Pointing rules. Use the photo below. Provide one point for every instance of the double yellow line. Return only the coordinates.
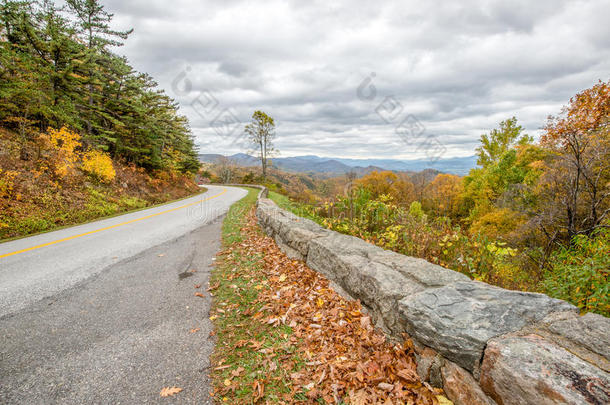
(110, 227)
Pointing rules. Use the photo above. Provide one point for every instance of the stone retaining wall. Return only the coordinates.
(482, 344)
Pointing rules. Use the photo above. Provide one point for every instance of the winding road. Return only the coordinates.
(105, 312)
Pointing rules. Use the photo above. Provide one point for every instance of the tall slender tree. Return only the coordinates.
(261, 132)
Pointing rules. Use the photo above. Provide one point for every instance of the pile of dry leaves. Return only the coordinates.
(346, 359)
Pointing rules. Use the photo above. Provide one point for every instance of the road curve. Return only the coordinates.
(102, 312)
(79, 252)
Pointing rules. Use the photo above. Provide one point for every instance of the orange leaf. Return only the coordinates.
(169, 391)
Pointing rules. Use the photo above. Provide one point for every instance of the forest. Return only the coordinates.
(532, 216)
(60, 69)
(82, 134)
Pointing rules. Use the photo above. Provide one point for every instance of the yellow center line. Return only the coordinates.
(109, 227)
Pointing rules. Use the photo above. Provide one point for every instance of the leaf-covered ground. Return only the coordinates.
(284, 336)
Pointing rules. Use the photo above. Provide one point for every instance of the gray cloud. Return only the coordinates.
(458, 67)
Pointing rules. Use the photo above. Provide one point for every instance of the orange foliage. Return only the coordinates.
(442, 194)
(388, 183)
(588, 111)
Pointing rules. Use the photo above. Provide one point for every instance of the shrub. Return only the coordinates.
(63, 145)
(580, 273)
(99, 165)
(7, 182)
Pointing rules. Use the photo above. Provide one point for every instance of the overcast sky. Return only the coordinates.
(455, 68)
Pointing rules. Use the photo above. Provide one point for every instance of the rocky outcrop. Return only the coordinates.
(482, 344)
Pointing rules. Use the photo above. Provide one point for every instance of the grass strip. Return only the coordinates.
(242, 371)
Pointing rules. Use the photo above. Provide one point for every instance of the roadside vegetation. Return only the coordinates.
(82, 134)
(62, 184)
(284, 336)
(532, 216)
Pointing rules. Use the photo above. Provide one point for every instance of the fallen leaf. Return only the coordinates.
(227, 382)
(198, 294)
(282, 278)
(385, 386)
(170, 391)
(259, 390)
(161, 254)
(237, 371)
(442, 400)
(408, 375)
(197, 285)
(194, 330)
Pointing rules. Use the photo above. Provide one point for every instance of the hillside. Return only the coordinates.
(82, 133)
(61, 186)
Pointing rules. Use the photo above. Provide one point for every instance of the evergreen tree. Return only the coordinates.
(57, 68)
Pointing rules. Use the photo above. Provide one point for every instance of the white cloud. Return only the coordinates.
(458, 67)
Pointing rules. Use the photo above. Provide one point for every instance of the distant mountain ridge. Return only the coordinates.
(337, 166)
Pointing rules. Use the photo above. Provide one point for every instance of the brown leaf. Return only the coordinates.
(170, 391)
(237, 371)
(258, 389)
(195, 330)
(198, 294)
(408, 375)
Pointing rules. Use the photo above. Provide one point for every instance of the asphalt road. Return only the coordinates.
(102, 313)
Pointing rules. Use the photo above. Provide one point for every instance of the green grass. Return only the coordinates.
(302, 210)
(240, 335)
(281, 200)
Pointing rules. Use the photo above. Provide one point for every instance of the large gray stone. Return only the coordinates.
(291, 232)
(426, 273)
(297, 232)
(381, 288)
(531, 370)
(590, 330)
(336, 255)
(457, 320)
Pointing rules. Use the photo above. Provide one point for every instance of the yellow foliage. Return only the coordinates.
(63, 144)
(502, 222)
(442, 194)
(99, 164)
(7, 184)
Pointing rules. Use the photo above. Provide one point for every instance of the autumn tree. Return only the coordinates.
(397, 186)
(442, 195)
(499, 141)
(261, 132)
(378, 183)
(575, 188)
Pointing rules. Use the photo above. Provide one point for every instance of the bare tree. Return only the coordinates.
(225, 169)
(576, 188)
(261, 132)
